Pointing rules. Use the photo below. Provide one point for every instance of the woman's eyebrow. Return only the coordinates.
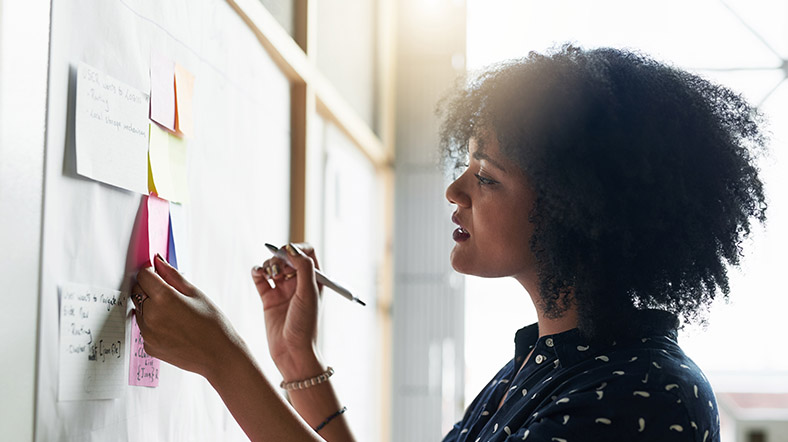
(480, 155)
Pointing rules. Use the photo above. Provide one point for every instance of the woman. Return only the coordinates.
(615, 189)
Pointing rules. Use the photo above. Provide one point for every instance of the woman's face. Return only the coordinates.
(493, 200)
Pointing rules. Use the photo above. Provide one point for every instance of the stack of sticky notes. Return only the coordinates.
(171, 92)
(137, 141)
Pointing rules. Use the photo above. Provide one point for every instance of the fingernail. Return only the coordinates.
(291, 249)
(257, 269)
(267, 271)
(274, 270)
(295, 251)
(161, 259)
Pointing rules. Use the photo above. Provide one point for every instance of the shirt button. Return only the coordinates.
(540, 359)
(549, 342)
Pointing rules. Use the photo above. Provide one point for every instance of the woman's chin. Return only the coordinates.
(456, 261)
(461, 264)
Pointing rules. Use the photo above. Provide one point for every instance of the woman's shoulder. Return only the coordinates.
(645, 383)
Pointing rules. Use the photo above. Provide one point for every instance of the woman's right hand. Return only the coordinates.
(291, 311)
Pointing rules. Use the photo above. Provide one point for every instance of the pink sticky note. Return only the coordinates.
(139, 255)
(158, 227)
(184, 89)
(143, 368)
(162, 90)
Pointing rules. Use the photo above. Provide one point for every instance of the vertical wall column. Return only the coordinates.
(302, 110)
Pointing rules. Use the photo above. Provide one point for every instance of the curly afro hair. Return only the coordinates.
(644, 175)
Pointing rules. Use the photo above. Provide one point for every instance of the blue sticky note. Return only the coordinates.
(171, 256)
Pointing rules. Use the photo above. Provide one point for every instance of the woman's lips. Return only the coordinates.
(460, 234)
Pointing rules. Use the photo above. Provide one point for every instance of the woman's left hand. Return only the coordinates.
(179, 324)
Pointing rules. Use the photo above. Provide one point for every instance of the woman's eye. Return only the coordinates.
(483, 180)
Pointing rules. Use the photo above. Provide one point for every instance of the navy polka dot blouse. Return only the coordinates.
(639, 389)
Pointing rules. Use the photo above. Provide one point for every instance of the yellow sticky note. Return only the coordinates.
(167, 156)
(151, 184)
(184, 89)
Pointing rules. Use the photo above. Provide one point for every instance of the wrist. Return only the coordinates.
(234, 354)
(300, 366)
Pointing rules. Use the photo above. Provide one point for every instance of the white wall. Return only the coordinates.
(24, 43)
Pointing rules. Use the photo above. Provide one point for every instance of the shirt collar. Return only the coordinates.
(570, 346)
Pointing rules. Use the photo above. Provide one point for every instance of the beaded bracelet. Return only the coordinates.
(306, 383)
(330, 418)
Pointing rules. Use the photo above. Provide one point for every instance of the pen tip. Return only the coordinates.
(359, 301)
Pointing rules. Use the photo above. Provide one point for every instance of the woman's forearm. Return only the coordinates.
(254, 403)
(317, 403)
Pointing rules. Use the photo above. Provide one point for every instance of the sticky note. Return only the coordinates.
(179, 237)
(172, 255)
(167, 156)
(158, 226)
(143, 368)
(139, 250)
(154, 221)
(184, 89)
(92, 340)
(151, 231)
(111, 130)
(162, 90)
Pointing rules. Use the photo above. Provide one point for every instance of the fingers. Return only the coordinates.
(151, 283)
(303, 264)
(308, 250)
(260, 279)
(275, 268)
(172, 276)
(138, 297)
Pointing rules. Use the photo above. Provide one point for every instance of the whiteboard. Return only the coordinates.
(238, 180)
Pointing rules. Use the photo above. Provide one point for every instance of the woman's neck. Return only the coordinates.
(551, 326)
(548, 325)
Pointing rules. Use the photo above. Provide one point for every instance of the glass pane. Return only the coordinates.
(346, 51)
(282, 10)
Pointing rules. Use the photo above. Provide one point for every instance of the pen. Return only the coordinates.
(321, 278)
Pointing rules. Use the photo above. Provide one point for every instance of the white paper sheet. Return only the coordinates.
(92, 343)
(111, 130)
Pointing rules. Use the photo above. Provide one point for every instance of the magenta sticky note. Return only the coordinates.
(143, 368)
(138, 253)
(162, 90)
(158, 226)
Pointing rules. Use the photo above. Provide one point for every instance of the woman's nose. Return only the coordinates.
(456, 195)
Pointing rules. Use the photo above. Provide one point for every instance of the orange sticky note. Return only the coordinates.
(184, 90)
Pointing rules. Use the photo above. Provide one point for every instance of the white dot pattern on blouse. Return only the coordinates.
(636, 388)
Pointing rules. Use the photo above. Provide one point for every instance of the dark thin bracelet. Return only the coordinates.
(330, 418)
